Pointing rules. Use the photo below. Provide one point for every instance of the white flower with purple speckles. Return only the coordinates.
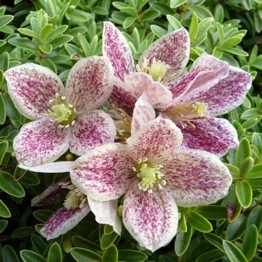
(64, 118)
(155, 175)
(211, 88)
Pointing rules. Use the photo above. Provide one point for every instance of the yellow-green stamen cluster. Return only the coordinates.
(75, 198)
(149, 175)
(184, 113)
(157, 69)
(62, 112)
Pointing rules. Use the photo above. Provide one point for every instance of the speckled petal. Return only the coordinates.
(92, 129)
(50, 196)
(89, 83)
(229, 93)
(55, 167)
(172, 48)
(106, 213)
(40, 142)
(151, 219)
(196, 178)
(31, 87)
(142, 114)
(116, 48)
(155, 140)
(206, 72)
(62, 221)
(215, 135)
(103, 173)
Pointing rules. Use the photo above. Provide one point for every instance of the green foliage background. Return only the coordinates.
(56, 33)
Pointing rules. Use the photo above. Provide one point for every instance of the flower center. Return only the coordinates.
(156, 70)
(62, 112)
(184, 113)
(149, 175)
(122, 122)
(75, 198)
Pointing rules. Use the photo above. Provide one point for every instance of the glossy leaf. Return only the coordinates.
(250, 241)
(233, 252)
(3, 149)
(211, 255)
(255, 172)
(244, 193)
(31, 256)
(2, 110)
(243, 151)
(10, 185)
(245, 166)
(199, 222)
(108, 240)
(82, 254)
(110, 254)
(237, 228)
(3, 225)
(255, 217)
(4, 211)
(213, 212)
(9, 254)
(215, 240)
(131, 255)
(182, 241)
(55, 253)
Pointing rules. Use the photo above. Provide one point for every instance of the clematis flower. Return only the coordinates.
(76, 204)
(211, 88)
(64, 118)
(155, 176)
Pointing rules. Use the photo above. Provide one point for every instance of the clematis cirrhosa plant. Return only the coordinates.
(64, 118)
(211, 88)
(155, 176)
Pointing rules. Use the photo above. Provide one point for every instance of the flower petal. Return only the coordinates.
(62, 221)
(116, 48)
(50, 196)
(155, 140)
(142, 114)
(89, 83)
(196, 178)
(151, 218)
(106, 213)
(215, 135)
(172, 48)
(92, 129)
(103, 173)
(55, 167)
(40, 142)
(229, 93)
(31, 86)
(206, 72)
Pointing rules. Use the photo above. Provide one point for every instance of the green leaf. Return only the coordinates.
(202, 12)
(31, 256)
(182, 241)
(46, 48)
(3, 149)
(4, 211)
(234, 51)
(246, 165)
(85, 243)
(22, 232)
(108, 240)
(28, 32)
(244, 193)
(45, 31)
(177, 3)
(233, 252)
(219, 13)
(213, 212)
(255, 217)
(81, 254)
(60, 40)
(199, 222)
(130, 255)
(149, 14)
(3, 225)
(162, 7)
(6, 19)
(10, 185)
(128, 22)
(110, 254)
(250, 123)
(173, 22)
(255, 172)
(38, 244)
(243, 151)
(193, 28)
(215, 240)
(23, 43)
(157, 30)
(182, 224)
(250, 241)
(237, 228)
(211, 255)
(233, 170)
(9, 254)
(249, 113)
(55, 253)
